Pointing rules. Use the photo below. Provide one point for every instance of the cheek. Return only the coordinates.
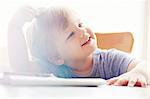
(66, 49)
(72, 48)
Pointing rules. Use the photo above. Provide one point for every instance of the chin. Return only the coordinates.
(90, 50)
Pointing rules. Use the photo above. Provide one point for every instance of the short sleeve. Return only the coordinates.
(116, 62)
(110, 63)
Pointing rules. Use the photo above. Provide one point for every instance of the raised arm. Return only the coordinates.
(17, 48)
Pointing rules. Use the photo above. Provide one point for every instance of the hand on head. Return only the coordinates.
(23, 15)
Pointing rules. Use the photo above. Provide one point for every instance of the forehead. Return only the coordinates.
(61, 17)
(69, 15)
(64, 18)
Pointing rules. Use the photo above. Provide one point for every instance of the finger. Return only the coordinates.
(121, 82)
(141, 82)
(28, 10)
(112, 80)
(32, 11)
(132, 81)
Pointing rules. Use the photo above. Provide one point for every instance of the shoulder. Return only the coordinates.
(98, 52)
(109, 51)
(111, 54)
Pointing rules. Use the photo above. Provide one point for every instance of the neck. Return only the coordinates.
(83, 67)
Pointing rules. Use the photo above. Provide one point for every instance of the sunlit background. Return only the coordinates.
(100, 15)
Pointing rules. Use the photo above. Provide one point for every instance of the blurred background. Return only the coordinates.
(101, 15)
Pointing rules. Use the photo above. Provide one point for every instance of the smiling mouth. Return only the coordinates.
(86, 41)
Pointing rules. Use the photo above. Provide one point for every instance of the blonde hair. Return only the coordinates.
(42, 31)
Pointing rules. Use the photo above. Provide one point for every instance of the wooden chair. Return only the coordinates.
(121, 40)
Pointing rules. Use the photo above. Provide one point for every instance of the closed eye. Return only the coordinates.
(70, 35)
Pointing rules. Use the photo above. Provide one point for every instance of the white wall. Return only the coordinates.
(101, 15)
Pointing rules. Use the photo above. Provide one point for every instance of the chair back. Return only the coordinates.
(121, 40)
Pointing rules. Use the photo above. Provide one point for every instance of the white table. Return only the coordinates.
(62, 92)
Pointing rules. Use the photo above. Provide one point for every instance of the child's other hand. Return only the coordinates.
(23, 15)
(131, 79)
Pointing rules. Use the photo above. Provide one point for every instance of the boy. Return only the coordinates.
(62, 45)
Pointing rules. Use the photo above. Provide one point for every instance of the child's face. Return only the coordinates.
(76, 43)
